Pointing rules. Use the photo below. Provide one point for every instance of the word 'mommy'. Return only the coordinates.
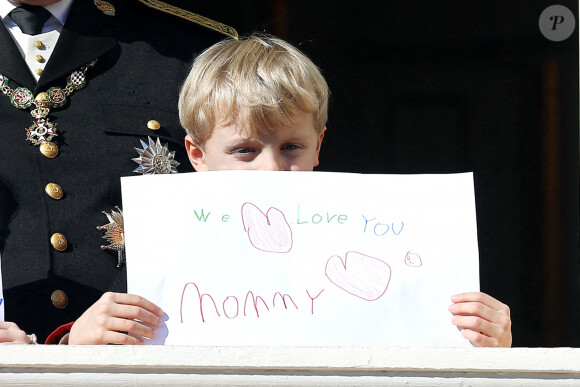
(231, 305)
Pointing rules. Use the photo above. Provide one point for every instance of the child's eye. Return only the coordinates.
(245, 154)
(290, 147)
(243, 150)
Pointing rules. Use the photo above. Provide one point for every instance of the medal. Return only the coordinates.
(115, 234)
(21, 97)
(155, 158)
(42, 131)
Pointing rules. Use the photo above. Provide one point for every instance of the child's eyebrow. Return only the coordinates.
(240, 141)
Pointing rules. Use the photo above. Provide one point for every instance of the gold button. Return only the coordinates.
(38, 44)
(39, 71)
(58, 241)
(53, 190)
(59, 299)
(153, 125)
(49, 149)
(39, 58)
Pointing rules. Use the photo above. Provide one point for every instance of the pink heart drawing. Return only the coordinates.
(360, 275)
(267, 232)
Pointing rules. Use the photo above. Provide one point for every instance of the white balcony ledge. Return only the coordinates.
(251, 366)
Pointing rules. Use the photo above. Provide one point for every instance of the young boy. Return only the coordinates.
(259, 103)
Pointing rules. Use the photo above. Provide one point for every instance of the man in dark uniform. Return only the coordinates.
(110, 78)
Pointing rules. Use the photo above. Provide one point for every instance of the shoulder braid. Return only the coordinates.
(193, 17)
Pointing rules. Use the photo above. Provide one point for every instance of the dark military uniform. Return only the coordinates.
(143, 56)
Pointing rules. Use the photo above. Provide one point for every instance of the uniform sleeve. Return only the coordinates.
(58, 333)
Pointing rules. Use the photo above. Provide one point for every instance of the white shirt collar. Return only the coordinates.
(59, 9)
(5, 8)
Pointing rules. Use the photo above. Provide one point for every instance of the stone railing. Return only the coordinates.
(250, 366)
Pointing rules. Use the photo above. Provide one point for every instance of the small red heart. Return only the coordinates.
(360, 275)
(267, 232)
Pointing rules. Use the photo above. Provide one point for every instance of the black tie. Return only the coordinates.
(30, 18)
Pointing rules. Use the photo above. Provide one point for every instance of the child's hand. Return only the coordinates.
(11, 334)
(483, 320)
(111, 319)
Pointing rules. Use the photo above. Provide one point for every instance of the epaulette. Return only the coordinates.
(193, 17)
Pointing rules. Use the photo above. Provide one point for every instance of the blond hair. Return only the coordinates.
(260, 79)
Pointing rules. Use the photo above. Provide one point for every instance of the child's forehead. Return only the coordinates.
(233, 133)
(246, 123)
(243, 126)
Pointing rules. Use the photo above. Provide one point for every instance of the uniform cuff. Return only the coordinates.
(58, 334)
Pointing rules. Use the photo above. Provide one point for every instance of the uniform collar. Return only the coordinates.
(59, 10)
(82, 39)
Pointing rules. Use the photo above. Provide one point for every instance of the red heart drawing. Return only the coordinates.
(360, 275)
(267, 232)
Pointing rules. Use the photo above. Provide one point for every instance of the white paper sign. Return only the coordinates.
(302, 258)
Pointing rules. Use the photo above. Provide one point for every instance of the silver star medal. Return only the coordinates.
(155, 158)
(115, 234)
